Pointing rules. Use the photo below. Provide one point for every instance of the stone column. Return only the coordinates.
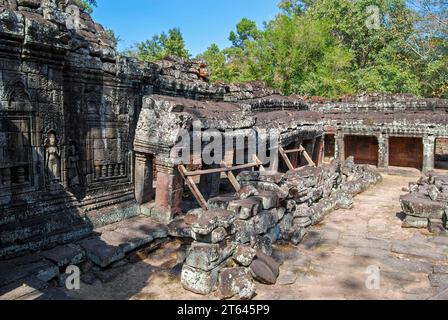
(428, 153)
(144, 191)
(383, 151)
(169, 191)
(339, 147)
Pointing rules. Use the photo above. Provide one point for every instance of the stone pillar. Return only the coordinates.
(339, 148)
(383, 151)
(169, 191)
(144, 191)
(428, 153)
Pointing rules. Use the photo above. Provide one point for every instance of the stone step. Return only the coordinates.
(111, 244)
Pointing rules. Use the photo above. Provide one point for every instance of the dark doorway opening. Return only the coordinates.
(406, 152)
(330, 147)
(363, 148)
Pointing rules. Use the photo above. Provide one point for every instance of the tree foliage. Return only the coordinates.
(331, 48)
(162, 45)
(87, 5)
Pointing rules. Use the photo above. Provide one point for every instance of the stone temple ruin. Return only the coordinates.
(88, 140)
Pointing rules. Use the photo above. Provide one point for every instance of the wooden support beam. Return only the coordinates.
(193, 188)
(284, 153)
(308, 158)
(285, 158)
(188, 177)
(231, 177)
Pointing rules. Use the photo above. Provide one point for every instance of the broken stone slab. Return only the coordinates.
(287, 278)
(212, 219)
(236, 282)
(199, 281)
(302, 222)
(100, 252)
(69, 254)
(269, 261)
(433, 192)
(247, 192)
(263, 176)
(420, 206)
(269, 199)
(274, 234)
(278, 213)
(261, 243)
(244, 255)
(243, 231)
(206, 256)
(415, 222)
(221, 202)
(436, 226)
(246, 208)
(263, 222)
(216, 236)
(179, 229)
(262, 273)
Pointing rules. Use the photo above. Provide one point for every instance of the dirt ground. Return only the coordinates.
(335, 261)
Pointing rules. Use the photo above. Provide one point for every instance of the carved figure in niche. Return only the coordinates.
(52, 158)
(74, 174)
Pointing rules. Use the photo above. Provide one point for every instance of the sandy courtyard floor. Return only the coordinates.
(335, 261)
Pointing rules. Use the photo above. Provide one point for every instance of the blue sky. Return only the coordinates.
(202, 22)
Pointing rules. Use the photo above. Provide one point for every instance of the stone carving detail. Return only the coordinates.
(52, 159)
(74, 172)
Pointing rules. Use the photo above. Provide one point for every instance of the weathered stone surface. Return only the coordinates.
(243, 231)
(262, 243)
(236, 282)
(70, 254)
(262, 272)
(244, 255)
(179, 229)
(247, 192)
(415, 222)
(199, 281)
(269, 199)
(422, 207)
(263, 222)
(206, 256)
(246, 208)
(101, 253)
(212, 219)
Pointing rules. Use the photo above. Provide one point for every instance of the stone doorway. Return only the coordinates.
(363, 148)
(406, 152)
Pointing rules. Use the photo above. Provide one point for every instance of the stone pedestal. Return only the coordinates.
(169, 191)
(428, 153)
(144, 191)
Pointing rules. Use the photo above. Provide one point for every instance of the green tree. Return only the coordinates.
(162, 45)
(87, 5)
(246, 30)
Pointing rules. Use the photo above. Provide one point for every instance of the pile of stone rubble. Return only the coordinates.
(426, 205)
(233, 239)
